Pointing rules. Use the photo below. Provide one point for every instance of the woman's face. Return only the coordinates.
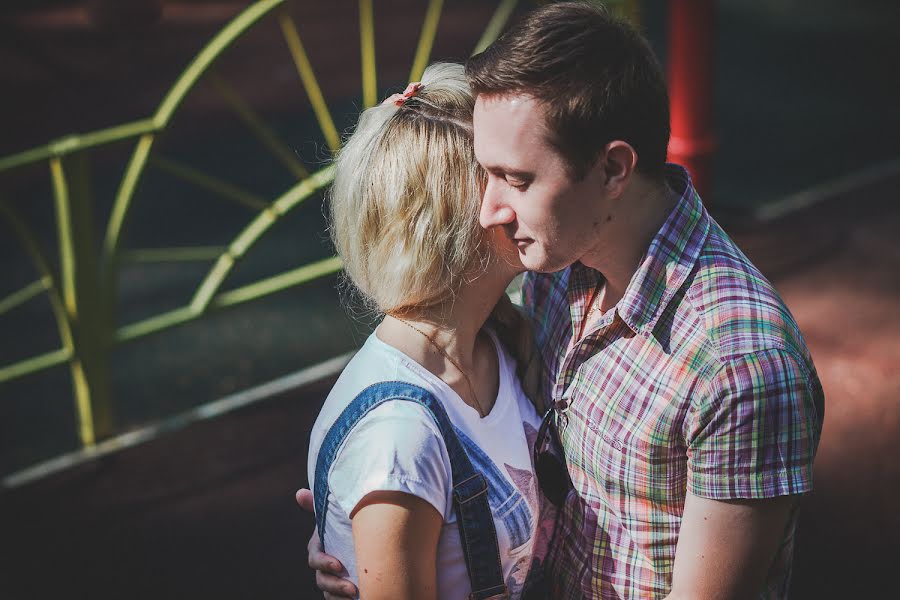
(507, 260)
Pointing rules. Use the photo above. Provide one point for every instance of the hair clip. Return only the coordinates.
(409, 92)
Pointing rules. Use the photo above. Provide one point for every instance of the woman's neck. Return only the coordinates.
(455, 325)
(445, 339)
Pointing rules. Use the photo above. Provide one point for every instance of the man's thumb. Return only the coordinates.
(305, 499)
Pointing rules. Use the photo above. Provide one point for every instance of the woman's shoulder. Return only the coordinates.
(391, 423)
(375, 362)
(395, 446)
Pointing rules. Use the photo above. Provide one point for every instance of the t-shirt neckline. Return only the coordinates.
(503, 388)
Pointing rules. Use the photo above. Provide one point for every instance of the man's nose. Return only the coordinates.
(494, 209)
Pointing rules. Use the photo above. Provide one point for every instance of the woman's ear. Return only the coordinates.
(618, 162)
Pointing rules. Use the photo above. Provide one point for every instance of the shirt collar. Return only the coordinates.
(669, 259)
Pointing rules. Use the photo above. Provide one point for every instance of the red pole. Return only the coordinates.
(692, 143)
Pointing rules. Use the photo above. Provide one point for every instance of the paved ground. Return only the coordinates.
(208, 511)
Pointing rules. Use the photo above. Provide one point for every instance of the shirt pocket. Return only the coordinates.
(632, 445)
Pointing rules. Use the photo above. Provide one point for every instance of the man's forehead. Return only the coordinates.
(513, 121)
(509, 105)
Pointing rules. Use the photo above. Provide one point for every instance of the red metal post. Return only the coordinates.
(691, 28)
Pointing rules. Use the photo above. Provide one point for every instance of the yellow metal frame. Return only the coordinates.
(82, 295)
(426, 39)
(367, 52)
(308, 77)
(258, 128)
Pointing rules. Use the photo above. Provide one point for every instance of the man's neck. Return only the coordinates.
(621, 246)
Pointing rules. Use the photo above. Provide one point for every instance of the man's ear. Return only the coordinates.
(618, 161)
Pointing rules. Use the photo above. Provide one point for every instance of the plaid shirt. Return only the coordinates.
(698, 380)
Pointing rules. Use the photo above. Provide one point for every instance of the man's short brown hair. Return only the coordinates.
(597, 77)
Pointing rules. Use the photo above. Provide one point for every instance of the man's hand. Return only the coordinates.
(328, 569)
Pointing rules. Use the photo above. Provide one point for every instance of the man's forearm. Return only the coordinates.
(725, 548)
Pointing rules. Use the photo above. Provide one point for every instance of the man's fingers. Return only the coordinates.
(335, 587)
(318, 560)
(328, 569)
(305, 499)
(324, 563)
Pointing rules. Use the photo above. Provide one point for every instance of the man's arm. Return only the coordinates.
(726, 547)
(752, 436)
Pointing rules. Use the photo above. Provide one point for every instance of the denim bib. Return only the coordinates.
(470, 500)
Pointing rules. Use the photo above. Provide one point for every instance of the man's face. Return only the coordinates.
(552, 220)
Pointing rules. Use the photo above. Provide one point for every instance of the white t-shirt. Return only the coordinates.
(397, 447)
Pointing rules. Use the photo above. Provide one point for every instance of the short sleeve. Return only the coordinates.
(753, 431)
(396, 447)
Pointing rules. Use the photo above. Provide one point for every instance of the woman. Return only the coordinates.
(404, 208)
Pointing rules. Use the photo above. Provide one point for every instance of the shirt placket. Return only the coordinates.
(579, 295)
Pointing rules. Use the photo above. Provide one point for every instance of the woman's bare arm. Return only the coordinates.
(396, 537)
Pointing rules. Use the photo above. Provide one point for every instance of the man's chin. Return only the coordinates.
(542, 263)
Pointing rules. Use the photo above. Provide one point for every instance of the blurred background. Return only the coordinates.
(170, 317)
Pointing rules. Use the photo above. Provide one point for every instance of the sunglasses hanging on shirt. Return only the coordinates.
(549, 459)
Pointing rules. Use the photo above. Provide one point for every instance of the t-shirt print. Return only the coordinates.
(527, 484)
(514, 502)
(507, 504)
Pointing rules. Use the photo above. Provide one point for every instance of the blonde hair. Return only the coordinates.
(405, 199)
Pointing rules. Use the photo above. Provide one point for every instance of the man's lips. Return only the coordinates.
(522, 242)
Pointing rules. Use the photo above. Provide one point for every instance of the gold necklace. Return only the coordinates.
(477, 407)
(596, 301)
(593, 306)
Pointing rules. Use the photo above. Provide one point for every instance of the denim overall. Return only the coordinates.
(470, 499)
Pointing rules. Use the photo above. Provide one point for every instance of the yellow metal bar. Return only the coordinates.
(77, 142)
(231, 298)
(38, 258)
(124, 197)
(367, 50)
(68, 274)
(64, 235)
(86, 430)
(426, 39)
(259, 128)
(209, 54)
(34, 364)
(303, 190)
(209, 182)
(164, 113)
(155, 324)
(22, 296)
(495, 25)
(198, 253)
(246, 238)
(253, 232)
(277, 283)
(308, 77)
(86, 305)
(213, 280)
(235, 251)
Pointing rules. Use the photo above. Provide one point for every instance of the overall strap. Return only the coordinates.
(470, 498)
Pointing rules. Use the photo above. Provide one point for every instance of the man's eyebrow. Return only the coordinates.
(506, 170)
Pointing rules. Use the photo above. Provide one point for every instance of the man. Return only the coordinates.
(689, 407)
